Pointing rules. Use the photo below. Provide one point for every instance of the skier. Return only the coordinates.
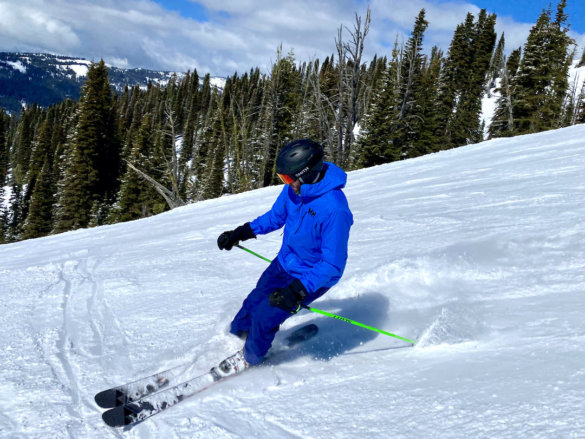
(316, 219)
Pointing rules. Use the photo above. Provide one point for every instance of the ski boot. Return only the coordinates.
(230, 366)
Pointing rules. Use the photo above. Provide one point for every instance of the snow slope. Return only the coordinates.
(476, 252)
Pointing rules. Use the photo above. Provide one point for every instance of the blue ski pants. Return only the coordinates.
(261, 320)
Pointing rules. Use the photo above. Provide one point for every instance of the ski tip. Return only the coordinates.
(115, 417)
(109, 398)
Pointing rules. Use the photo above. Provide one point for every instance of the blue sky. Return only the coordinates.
(225, 36)
(188, 9)
(528, 10)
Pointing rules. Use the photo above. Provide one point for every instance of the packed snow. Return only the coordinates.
(477, 253)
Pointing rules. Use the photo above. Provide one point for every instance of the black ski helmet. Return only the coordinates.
(301, 159)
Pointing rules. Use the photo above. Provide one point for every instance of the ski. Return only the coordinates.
(132, 403)
(137, 411)
(126, 393)
(130, 392)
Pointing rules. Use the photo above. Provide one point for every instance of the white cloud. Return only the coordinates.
(515, 33)
(26, 25)
(240, 34)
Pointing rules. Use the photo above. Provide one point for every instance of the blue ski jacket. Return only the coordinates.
(316, 229)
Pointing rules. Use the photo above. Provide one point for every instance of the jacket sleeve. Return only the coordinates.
(274, 219)
(335, 236)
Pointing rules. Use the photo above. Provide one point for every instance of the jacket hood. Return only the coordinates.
(335, 178)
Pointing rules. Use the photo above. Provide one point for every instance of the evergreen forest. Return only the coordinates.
(110, 157)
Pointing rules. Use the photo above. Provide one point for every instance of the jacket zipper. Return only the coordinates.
(302, 219)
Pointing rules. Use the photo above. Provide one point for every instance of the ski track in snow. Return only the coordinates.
(476, 252)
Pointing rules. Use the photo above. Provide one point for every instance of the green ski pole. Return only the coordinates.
(252, 253)
(353, 322)
(335, 316)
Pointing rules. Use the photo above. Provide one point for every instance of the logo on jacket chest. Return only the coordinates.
(311, 212)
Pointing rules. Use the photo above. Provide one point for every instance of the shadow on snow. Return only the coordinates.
(336, 337)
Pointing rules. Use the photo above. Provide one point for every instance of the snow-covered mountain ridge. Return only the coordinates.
(46, 79)
(476, 252)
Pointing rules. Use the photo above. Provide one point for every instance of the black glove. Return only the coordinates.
(289, 297)
(228, 239)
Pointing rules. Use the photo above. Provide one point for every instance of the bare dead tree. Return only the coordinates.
(574, 101)
(172, 199)
(242, 113)
(171, 165)
(323, 108)
(346, 109)
(508, 96)
(354, 50)
(276, 106)
(340, 114)
(173, 169)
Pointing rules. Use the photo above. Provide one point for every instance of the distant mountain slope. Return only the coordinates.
(28, 78)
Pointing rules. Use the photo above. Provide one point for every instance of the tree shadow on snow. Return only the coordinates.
(336, 337)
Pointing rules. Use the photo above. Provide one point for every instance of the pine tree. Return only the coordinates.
(463, 81)
(540, 84)
(4, 150)
(426, 142)
(374, 78)
(204, 146)
(191, 123)
(469, 62)
(24, 144)
(375, 142)
(513, 62)
(471, 101)
(409, 118)
(392, 126)
(215, 176)
(92, 175)
(42, 150)
(561, 59)
(502, 124)
(15, 216)
(497, 63)
(503, 119)
(212, 172)
(532, 78)
(580, 110)
(242, 115)
(4, 164)
(138, 199)
(281, 104)
(570, 113)
(453, 76)
(39, 221)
